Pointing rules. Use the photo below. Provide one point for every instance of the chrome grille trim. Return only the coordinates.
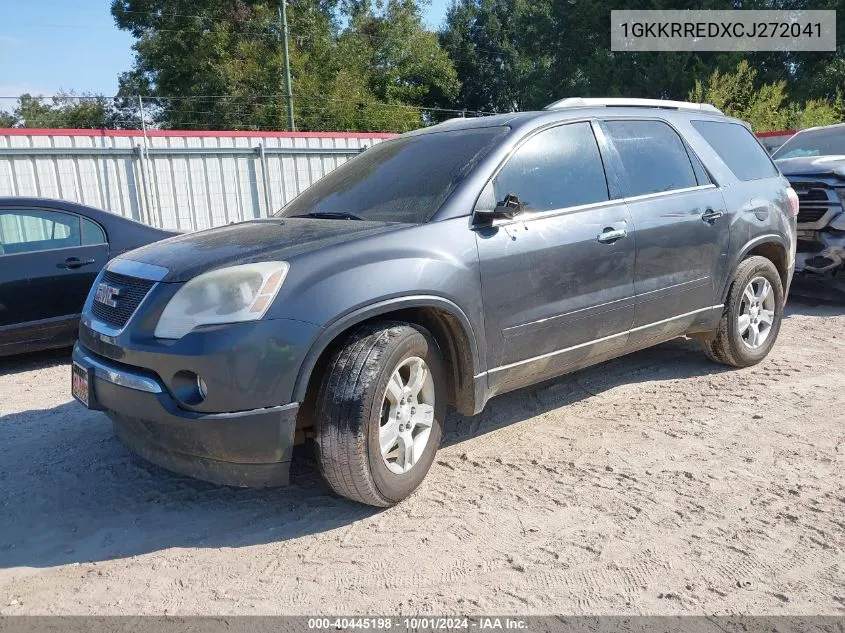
(133, 290)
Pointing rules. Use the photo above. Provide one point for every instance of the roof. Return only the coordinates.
(540, 117)
(822, 127)
(94, 213)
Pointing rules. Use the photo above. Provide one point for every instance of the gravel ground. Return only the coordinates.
(658, 483)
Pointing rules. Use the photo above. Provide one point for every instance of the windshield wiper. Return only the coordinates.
(329, 216)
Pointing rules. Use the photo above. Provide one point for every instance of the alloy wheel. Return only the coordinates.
(756, 312)
(407, 415)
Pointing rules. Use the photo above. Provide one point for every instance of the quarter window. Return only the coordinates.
(738, 148)
(555, 169)
(28, 231)
(91, 233)
(653, 156)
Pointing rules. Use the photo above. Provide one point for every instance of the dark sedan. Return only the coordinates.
(50, 253)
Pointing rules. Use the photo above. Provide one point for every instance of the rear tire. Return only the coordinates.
(380, 412)
(752, 316)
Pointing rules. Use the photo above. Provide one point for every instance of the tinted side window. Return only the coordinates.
(554, 169)
(653, 156)
(28, 231)
(91, 233)
(738, 148)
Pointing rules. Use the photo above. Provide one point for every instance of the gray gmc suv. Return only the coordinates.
(438, 268)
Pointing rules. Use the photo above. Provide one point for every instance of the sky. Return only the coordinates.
(52, 45)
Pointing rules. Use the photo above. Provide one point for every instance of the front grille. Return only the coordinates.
(811, 195)
(132, 291)
(810, 214)
(814, 201)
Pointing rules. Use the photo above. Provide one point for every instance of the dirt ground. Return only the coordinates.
(658, 483)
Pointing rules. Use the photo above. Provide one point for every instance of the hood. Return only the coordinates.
(128, 241)
(812, 166)
(189, 255)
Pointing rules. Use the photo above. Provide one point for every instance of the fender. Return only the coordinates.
(743, 253)
(330, 332)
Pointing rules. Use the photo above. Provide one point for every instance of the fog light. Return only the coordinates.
(188, 387)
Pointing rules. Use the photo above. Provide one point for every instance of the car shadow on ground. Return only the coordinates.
(808, 306)
(73, 493)
(34, 360)
(818, 290)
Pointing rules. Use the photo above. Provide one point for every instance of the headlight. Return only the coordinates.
(227, 295)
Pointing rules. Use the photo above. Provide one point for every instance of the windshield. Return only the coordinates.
(405, 179)
(825, 142)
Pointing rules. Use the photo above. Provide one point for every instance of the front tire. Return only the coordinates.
(380, 412)
(752, 315)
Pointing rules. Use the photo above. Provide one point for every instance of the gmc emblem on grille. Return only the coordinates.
(107, 295)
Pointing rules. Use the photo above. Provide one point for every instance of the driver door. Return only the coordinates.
(558, 278)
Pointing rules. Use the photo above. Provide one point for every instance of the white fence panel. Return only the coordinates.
(172, 179)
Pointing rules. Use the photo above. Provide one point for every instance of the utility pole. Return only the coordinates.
(283, 19)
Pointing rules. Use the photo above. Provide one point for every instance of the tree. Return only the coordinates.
(816, 112)
(496, 46)
(65, 110)
(521, 54)
(763, 105)
(218, 64)
(400, 61)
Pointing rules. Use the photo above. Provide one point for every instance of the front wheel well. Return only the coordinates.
(446, 329)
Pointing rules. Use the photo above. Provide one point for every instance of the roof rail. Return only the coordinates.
(581, 102)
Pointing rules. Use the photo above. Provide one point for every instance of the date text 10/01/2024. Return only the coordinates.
(418, 623)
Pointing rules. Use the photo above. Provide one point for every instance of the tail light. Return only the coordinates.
(793, 199)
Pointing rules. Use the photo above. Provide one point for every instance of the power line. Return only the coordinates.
(183, 15)
(258, 35)
(254, 99)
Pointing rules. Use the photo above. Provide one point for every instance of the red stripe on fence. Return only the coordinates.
(777, 133)
(23, 131)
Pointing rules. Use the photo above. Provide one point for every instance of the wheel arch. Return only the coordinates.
(446, 322)
(772, 247)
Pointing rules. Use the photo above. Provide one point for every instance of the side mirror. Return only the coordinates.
(507, 209)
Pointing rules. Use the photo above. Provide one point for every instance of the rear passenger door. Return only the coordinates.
(48, 261)
(557, 280)
(681, 223)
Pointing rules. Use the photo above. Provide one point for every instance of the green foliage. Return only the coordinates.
(222, 60)
(523, 54)
(492, 44)
(741, 95)
(371, 65)
(65, 110)
(817, 112)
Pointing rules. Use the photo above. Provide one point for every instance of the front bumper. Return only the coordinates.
(245, 448)
(821, 252)
(820, 224)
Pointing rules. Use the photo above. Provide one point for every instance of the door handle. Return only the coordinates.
(74, 262)
(710, 216)
(608, 236)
